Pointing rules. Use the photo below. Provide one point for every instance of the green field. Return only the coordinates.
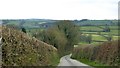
(98, 34)
(90, 28)
(98, 38)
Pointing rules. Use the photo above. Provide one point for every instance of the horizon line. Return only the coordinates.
(51, 19)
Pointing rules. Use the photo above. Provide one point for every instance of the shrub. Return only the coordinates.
(106, 53)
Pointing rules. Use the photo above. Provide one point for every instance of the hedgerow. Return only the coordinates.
(106, 53)
(18, 49)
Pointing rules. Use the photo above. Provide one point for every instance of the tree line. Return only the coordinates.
(64, 35)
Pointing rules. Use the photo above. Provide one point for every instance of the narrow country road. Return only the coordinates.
(67, 62)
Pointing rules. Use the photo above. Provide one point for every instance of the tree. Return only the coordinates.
(106, 29)
(63, 36)
(56, 38)
(24, 30)
(89, 39)
(71, 33)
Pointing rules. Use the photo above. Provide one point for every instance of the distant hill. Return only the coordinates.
(95, 22)
(28, 23)
(21, 50)
(46, 23)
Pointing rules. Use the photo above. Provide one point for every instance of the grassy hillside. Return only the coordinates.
(106, 54)
(21, 50)
(97, 22)
(98, 34)
(96, 29)
(29, 23)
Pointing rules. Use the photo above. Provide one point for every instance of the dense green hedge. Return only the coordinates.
(21, 50)
(106, 53)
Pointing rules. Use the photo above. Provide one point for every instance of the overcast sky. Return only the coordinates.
(59, 9)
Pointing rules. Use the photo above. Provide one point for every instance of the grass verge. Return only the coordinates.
(95, 64)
